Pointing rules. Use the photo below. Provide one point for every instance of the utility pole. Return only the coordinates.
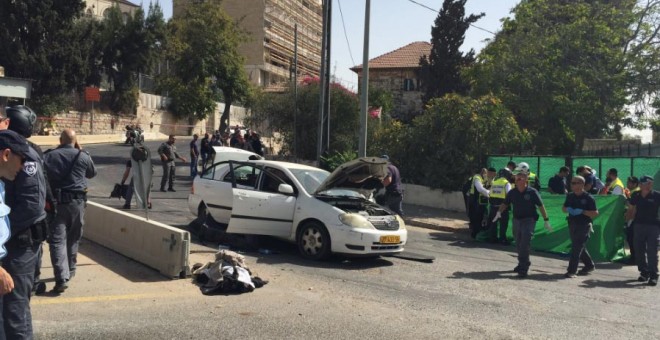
(364, 96)
(325, 46)
(295, 92)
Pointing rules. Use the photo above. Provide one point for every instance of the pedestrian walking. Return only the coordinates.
(643, 212)
(168, 155)
(581, 209)
(68, 167)
(194, 156)
(525, 201)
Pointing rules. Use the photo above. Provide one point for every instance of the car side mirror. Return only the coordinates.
(285, 189)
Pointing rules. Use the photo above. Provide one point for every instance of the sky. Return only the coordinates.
(394, 24)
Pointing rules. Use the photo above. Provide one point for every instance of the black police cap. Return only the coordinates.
(14, 142)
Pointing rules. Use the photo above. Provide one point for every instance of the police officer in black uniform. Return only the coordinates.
(26, 196)
(68, 168)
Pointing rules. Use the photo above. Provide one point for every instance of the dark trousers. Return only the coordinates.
(476, 216)
(630, 238)
(579, 233)
(193, 166)
(169, 171)
(646, 248)
(503, 224)
(64, 236)
(20, 263)
(395, 202)
(205, 158)
(523, 231)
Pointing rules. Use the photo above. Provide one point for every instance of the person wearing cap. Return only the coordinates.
(13, 148)
(643, 212)
(532, 179)
(581, 209)
(616, 185)
(498, 190)
(168, 155)
(478, 202)
(393, 187)
(68, 167)
(27, 196)
(557, 185)
(525, 201)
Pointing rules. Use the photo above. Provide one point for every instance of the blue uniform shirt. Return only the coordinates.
(524, 203)
(26, 194)
(58, 162)
(647, 208)
(585, 202)
(5, 233)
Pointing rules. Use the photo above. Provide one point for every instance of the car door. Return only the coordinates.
(216, 192)
(264, 211)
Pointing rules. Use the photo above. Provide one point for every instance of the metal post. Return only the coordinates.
(328, 47)
(295, 92)
(364, 97)
(322, 81)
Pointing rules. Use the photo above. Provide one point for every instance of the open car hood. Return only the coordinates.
(362, 175)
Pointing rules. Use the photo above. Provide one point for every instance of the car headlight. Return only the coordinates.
(402, 224)
(355, 221)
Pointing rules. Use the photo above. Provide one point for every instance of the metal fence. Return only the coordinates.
(546, 167)
(624, 150)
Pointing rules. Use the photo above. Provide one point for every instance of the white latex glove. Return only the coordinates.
(497, 216)
(591, 229)
(629, 223)
(547, 226)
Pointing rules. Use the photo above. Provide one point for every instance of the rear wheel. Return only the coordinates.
(314, 241)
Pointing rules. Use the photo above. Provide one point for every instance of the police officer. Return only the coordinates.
(581, 209)
(393, 189)
(616, 185)
(525, 201)
(168, 154)
(68, 168)
(478, 202)
(644, 211)
(498, 190)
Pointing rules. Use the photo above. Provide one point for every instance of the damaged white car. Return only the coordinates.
(322, 213)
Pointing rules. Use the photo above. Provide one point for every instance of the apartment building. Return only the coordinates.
(270, 51)
(99, 8)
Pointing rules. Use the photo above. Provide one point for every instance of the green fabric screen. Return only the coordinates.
(605, 244)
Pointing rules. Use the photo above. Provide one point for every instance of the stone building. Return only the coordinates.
(269, 53)
(99, 8)
(397, 72)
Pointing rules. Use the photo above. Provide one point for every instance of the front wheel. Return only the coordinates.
(314, 241)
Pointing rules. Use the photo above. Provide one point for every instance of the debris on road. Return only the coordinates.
(228, 274)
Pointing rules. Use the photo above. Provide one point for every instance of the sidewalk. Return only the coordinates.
(436, 219)
(45, 141)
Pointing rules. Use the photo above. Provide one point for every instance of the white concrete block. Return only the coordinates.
(434, 198)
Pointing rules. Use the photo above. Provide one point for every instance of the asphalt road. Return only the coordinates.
(469, 291)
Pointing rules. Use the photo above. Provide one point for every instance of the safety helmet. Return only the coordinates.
(504, 173)
(21, 120)
(523, 166)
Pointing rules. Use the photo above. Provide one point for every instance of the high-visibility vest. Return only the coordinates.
(473, 189)
(531, 179)
(614, 184)
(498, 189)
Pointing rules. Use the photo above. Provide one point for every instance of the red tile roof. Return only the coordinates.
(404, 57)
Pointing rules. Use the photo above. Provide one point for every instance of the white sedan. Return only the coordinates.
(322, 213)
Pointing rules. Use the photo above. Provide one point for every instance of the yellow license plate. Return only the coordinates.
(390, 239)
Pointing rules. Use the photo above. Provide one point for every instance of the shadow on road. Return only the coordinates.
(630, 284)
(498, 274)
(120, 265)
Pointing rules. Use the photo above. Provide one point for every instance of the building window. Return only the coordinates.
(409, 84)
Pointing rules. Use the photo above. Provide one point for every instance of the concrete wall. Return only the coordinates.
(424, 196)
(151, 243)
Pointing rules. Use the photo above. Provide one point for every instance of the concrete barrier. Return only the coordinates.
(427, 197)
(151, 243)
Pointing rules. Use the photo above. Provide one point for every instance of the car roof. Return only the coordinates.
(287, 165)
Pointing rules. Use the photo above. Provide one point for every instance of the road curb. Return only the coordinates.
(433, 226)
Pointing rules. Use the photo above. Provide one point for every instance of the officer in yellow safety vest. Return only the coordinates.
(532, 179)
(616, 186)
(498, 190)
(478, 202)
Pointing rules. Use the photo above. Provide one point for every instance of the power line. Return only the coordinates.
(436, 11)
(345, 34)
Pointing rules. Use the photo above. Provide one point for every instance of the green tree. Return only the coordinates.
(203, 46)
(35, 36)
(441, 71)
(130, 45)
(276, 110)
(569, 70)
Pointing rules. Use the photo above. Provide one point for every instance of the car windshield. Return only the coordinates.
(310, 179)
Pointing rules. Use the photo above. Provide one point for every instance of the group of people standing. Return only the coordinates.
(250, 141)
(42, 197)
(491, 194)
